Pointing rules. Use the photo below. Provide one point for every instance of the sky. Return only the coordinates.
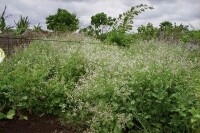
(186, 12)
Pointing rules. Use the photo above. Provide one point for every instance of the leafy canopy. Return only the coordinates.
(63, 20)
(147, 32)
(125, 20)
(3, 18)
(22, 25)
(102, 23)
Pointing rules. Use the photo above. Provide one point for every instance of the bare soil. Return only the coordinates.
(36, 124)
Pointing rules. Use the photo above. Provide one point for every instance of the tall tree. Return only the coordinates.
(125, 20)
(147, 32)
(102, 23)
(166, 29)
(3, 26)
(63, 20)
(166, 25)
(2, 20)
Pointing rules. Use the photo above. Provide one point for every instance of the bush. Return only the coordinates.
(146, 88)
(147, 32)
(119, 38)
(63, 20)
(22, 25)
(40, 79)
(191, 37)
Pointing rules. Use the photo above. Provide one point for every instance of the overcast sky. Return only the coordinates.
(179, 11)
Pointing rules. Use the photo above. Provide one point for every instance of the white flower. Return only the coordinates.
(2, 55)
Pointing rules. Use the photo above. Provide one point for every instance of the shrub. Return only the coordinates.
(63, 20)
(147, 32)
(191, 37)
(22, 25)
(120, 38)
(146, 88)
(37, 28)
(40, 79)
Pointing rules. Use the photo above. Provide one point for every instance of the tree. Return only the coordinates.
(2, 20)
(22, 25)
(125, 20)
(101, 23)
(63, 20)
(3, 26)
(147, 32)
(166, 25)
(124, 24)
(37, 28)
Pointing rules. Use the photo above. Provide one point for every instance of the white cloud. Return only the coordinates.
(180, 11)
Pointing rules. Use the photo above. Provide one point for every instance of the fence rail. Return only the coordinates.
(9, 44)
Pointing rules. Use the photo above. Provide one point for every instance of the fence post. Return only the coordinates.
(8, 46)
(11, 46)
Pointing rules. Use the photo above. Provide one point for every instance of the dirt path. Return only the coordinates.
(35, 124)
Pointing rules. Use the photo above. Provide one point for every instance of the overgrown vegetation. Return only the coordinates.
(115, 30)
(63, 20)
(126, 82)
(37, 28)
(22, 25)
(148, 87)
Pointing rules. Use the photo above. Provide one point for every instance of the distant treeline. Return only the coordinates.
(108, 29)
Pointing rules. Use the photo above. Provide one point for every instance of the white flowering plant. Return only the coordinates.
(148, 87)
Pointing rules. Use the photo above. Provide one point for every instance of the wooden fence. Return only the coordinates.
(10, 44)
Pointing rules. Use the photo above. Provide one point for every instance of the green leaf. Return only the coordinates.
(24, 98)
(23, 117)
(10, 114)
(193, 120)
(2, 116)
(197, 116)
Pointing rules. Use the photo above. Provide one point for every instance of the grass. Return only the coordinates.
(148, 87)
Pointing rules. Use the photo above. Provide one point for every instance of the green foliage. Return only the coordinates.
(40, 80)
(166, 29)
(88, 31)
(166, 32)
(62, 21)
(102, 23)
(147, 87)
(37, 28)
(192, 37)
(148, 32)
(159, 104)
(119, 38)
(179, 31)
(9, 115)
(22, 25)
(166, 26)
(114, 30)
(99, 19)
(3, 26)
(171, 32)
(2, 20)
(125, 21)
